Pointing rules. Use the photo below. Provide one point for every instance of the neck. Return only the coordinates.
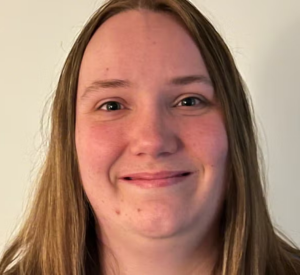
(132, 255)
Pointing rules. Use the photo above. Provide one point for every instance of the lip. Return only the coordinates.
(157, 180)
(154, 176)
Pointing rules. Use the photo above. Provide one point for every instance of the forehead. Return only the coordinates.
(141, 46)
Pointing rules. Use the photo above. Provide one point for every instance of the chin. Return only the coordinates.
(158, 223)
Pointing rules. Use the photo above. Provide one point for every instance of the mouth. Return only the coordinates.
(166, 179)
(158, 178)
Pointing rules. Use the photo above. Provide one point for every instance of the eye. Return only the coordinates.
(110, 106)
(188, 102)
(192, 101)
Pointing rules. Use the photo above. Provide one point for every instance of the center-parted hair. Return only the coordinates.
(58, 236)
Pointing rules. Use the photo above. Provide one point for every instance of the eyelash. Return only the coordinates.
(202, 101)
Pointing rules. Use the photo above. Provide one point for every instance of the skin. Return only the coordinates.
(162, 231)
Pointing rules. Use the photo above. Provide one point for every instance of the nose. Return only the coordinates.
(153, 133)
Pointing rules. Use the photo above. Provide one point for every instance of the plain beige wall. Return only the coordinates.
(264, 37)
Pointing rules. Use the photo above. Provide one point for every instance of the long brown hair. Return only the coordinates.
(58, 236)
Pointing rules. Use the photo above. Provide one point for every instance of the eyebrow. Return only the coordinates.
(118, 83)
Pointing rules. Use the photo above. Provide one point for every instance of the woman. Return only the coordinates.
(152, 165)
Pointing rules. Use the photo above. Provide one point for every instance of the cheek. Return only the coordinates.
(208, 146)
(97, 146)
(100, 144)
(206, 138)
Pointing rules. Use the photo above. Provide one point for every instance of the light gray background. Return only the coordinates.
(36, 35)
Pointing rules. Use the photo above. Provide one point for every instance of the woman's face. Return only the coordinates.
(147, 122)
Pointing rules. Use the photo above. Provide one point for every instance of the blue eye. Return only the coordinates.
(186, 102)
(191, 101)
(111, 106)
